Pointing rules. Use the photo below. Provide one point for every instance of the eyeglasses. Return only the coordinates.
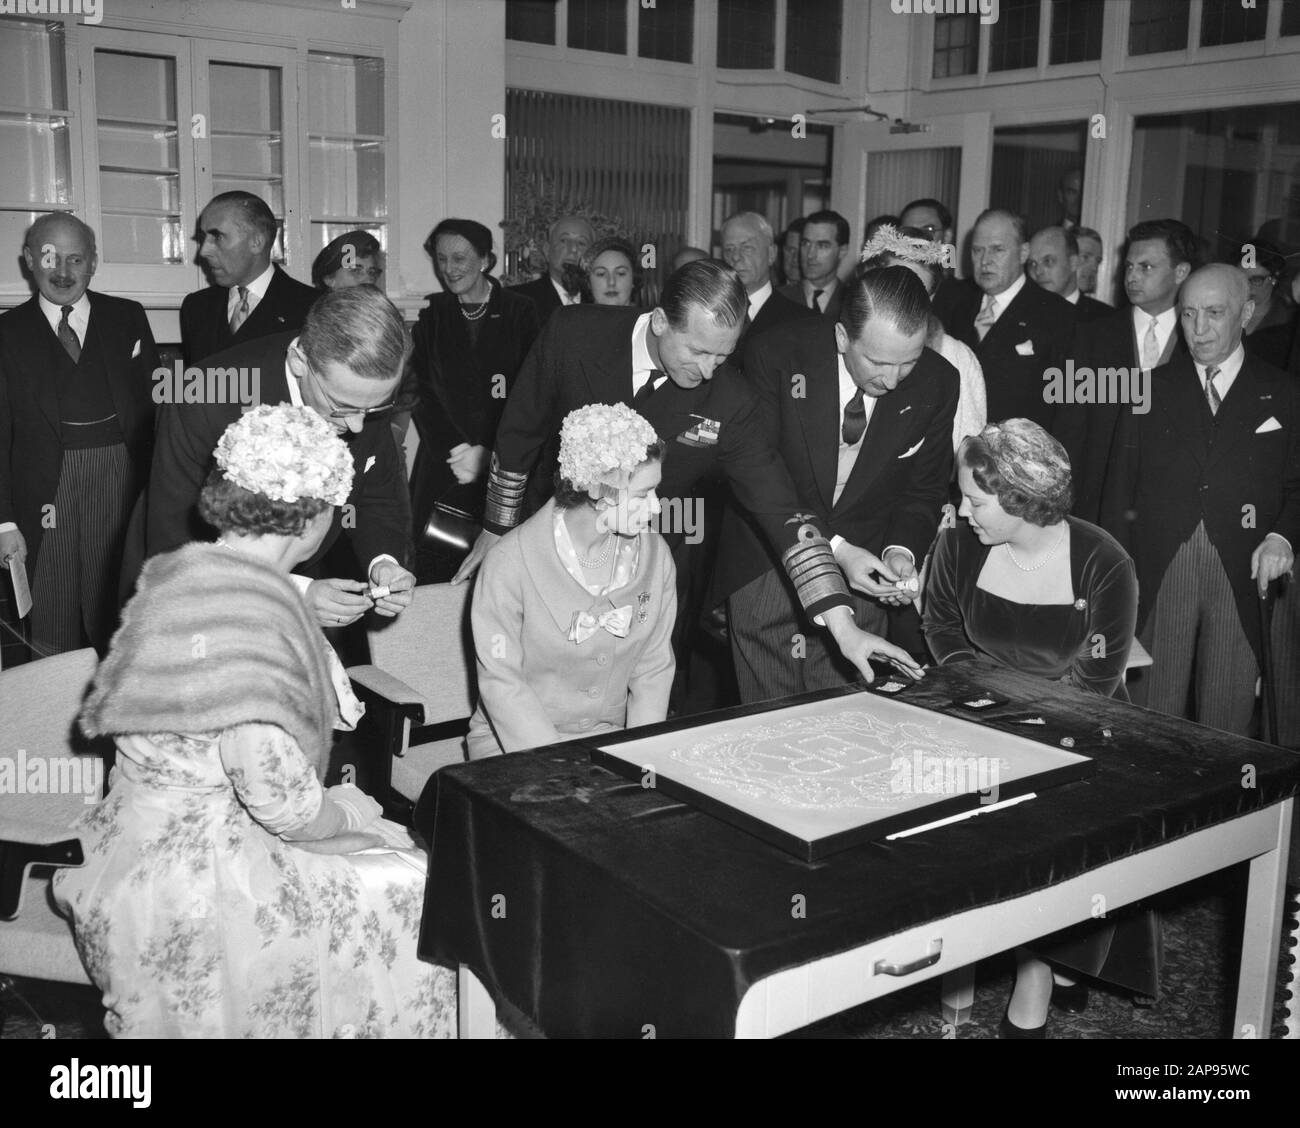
(338, 412)
(929, 228)
(1256, 280)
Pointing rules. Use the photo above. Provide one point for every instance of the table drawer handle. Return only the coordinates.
(884, 967)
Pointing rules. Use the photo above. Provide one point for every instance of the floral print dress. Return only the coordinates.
(196, 919)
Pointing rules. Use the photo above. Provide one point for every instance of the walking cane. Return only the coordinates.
(1269, 690)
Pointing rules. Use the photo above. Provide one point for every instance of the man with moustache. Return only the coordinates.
(76, 430)
(748, 247)
(1090, 258)
(1206, 491)
(1053, 264)
(669, 366)
(567, 240)
(1143, 336)
(250, 296)
(1017, 330)
(346, 365)
(862, 414)
(822, 246)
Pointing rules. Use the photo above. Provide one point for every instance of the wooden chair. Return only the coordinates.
(418, 692)
(39, 703)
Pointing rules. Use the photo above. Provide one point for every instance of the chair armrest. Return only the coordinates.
(18, 853)
(375, 685)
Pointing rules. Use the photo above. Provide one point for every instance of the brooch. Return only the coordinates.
(1080, 604)
(643, 607)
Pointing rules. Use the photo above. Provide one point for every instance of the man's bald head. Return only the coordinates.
(1214, 306)
(59, 251)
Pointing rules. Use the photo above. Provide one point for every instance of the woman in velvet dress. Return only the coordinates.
(1035, 590)
(469, 344)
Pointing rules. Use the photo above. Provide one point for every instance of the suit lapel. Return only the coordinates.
(1240, 412)
(266, 317)
(561, 593)
(45, 357)
(820, 419)
(879, 445)
(106, 337)
(1008, 324)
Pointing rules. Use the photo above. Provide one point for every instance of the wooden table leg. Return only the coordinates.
(958, 995)
(477, 1014)
(1262, 935)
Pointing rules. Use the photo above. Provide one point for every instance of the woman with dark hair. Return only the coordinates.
(469, 344)
(1268, 333)
(354, 259)
(573, 610)
(612, 276)
(1038, 591)
(226, 892)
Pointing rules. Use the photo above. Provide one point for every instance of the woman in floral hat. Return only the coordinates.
(573, 610)
(225, 891)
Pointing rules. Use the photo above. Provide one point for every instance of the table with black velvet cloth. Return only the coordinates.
(597, 907)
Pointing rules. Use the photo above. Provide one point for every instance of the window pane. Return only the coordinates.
(1228, 21)
(812, 39)
(32, 73)
(747, 34)
(1029, 165)
(1290, 17)
(527, 21)
(347, 146)
(139, 158)
(1233, 176)
(956, 46)
(667, 31)
(598, 25)
(1076, 30)
(324, 233)
(1015, 36)
(1157, 25)
(35, 167)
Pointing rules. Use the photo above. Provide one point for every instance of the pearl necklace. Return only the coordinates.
(599, 561)
(482, 310)
(1045, 559)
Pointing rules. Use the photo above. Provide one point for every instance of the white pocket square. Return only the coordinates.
(369, 463)
(912, 450)
(135, 351)
(1270, 424)
(1025, 348)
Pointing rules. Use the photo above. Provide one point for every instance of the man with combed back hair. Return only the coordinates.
(346, 365)
(862, 413)
(670, 365)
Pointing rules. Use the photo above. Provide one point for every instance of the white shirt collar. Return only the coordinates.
(1007, 296)
(295, 392)
(1166, 325)
(642, 362)
(758, 297)
(79, 318)
(256, 291)
(1073, 296)
(1227, 370)
(565, 297)
(827, 289)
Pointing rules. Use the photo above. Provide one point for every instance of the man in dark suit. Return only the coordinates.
(669, 365)
(1053, 264)
(1209, 482)
(862, 414)
(568, 239)
(249, 296)
(749, 248)
(346, 365)
(1140, 337)
(822, 247)
(76, 427)
(1016, 329)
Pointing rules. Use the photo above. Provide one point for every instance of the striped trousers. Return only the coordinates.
(74, 585)
(777, 652)
(1197, 644)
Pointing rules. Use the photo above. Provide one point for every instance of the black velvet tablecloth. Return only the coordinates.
(599, 908)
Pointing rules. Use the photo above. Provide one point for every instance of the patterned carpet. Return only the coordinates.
(1202, 936)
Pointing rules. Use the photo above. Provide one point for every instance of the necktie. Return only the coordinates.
(646, 390)
(1211, 392)
(855, 419)
(1150, 347)
(816, 303)
(241, 310)
(987, 316)
(68, 336)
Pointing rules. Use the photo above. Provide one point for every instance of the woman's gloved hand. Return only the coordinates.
(359, 809)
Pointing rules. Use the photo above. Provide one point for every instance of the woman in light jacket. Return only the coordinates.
(573, 610)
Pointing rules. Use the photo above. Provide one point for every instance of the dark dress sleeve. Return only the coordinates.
(1110, 587)
(944, 620)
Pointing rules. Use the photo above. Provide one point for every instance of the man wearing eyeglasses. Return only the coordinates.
(346, 365)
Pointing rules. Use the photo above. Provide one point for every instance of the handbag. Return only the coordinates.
(456, 518)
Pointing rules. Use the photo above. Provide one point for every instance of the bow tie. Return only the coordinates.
(617, 621)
